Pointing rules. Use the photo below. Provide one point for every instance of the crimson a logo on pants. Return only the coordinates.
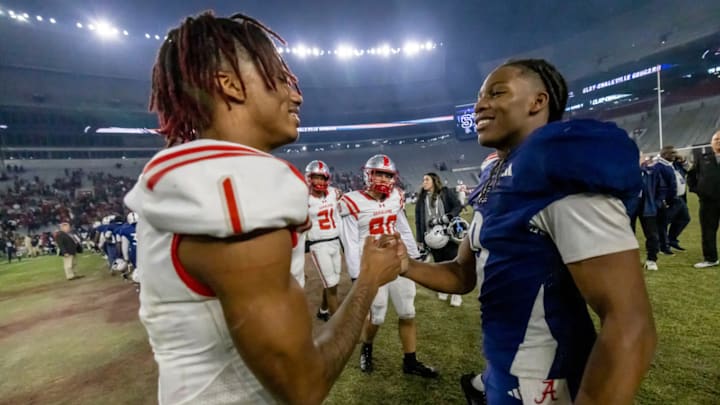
(549, 391)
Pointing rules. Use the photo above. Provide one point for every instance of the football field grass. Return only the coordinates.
(80, 342)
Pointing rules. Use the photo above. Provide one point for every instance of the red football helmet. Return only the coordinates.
(317, 167)
(383, 164)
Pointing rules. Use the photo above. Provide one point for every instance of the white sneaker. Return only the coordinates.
(455, 300)
(442, 297)
(651, 265)
(705, 265)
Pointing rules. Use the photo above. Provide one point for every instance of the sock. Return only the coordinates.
(323, 311)
(477, 383)
(410, 358)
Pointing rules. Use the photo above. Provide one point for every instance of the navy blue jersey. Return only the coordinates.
(128, 231)
(535, 322)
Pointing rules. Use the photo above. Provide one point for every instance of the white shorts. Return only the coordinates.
(328, 261)
(402, 292)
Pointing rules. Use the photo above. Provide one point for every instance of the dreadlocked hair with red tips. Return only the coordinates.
(184, 79)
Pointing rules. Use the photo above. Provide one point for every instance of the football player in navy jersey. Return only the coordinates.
(128, 242)
(550, 236)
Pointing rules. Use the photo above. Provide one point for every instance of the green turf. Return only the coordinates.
(686, 369)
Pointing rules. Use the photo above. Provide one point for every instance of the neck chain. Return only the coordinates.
(491, 182)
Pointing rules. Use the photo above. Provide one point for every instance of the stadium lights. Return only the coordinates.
(106, 30)
(411, 48)
(344, 52)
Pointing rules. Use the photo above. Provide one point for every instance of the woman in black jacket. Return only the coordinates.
(436, 204)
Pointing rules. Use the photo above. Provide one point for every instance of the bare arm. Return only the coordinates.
(454, 277)
(614, 287)
(267, 313)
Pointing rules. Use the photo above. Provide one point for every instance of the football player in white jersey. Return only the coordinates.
(378, 210)
(323, 239)
(227, 322)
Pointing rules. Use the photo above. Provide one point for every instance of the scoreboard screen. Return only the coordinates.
(465, 121)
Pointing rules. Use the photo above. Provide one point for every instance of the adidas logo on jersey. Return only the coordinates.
(507, 172)
(515, 393)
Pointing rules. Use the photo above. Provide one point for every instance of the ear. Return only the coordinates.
(539, 102)
(230, 85)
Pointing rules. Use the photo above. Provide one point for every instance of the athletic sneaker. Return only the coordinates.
(418, 368)
(366, 361)
(442, 296)
(676, 246)
(455, 300)
(472, 395)
(323, 315)
(706, 264)
(651, 265)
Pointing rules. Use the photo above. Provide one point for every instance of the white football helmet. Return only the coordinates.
(106, 220)
(132, 218)
(119, 265)
(436, 238)
(457, 229)
(317, 167)
(383, 164)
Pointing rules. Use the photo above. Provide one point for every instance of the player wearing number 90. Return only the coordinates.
(220, 221)
(323, 239)
(378, 210)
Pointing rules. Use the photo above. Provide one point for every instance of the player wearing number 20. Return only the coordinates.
(377, 210)
(323, 239)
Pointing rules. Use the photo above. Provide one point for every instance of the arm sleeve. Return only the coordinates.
(125, 248)
(403, 227)
(584, 226)
(350, 240)
(220, 196)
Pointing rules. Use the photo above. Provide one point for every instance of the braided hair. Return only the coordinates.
(184, 75)
(553, 81)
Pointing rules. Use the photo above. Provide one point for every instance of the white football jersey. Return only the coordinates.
(324, 215)
(363, 216)
(215, 188)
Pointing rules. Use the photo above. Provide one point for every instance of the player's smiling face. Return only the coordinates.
(281, 109)
(503, 107)
(274, 112)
